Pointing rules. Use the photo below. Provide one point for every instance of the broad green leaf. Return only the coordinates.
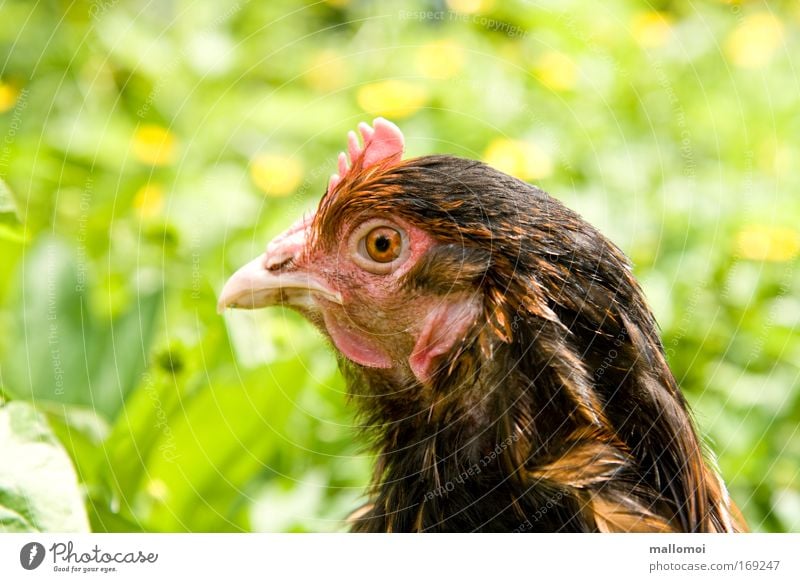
(82, 432)
(199, 452)
(63, 353)
(38, 486)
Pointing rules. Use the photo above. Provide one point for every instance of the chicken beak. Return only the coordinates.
(273, 279)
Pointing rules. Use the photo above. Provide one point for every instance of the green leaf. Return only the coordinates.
(38, 486)
(64, 354)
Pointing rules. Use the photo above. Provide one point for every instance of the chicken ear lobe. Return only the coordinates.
(443, 328)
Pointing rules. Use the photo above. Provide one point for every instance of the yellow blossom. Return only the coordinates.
(149, 200)
(392, 98)
(522, 159)
(155, 145)
(651, 29)
(8, 96)
(276, 175)
(441, 59)
(470, 6)
(760, 242)
(157, 489)
(556, 71)
(755, 40)
(327, 71)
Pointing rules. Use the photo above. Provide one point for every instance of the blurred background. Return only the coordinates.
(149, 148)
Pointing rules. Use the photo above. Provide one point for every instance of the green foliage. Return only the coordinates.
(148, 151)
(38, 486)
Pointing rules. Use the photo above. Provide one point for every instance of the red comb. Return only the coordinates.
(382, 141)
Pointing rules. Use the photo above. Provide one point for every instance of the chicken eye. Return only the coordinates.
(383, 244)
(379, 246)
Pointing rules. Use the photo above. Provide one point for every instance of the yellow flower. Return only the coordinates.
(157, 489)
(155, 145)
(755, 40)
(470, 6)
(522, 159)
(441, 59)
(651, 29)
(768, 243)
(391, 98)
(327, 71)
(8, 96)
(276, 175)
(149, 200)
(556, 71)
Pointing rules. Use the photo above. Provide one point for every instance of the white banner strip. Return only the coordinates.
(355, 557)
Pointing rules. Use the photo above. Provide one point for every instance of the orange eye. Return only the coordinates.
(383, 244)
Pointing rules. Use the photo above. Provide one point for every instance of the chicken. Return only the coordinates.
(501, 354)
